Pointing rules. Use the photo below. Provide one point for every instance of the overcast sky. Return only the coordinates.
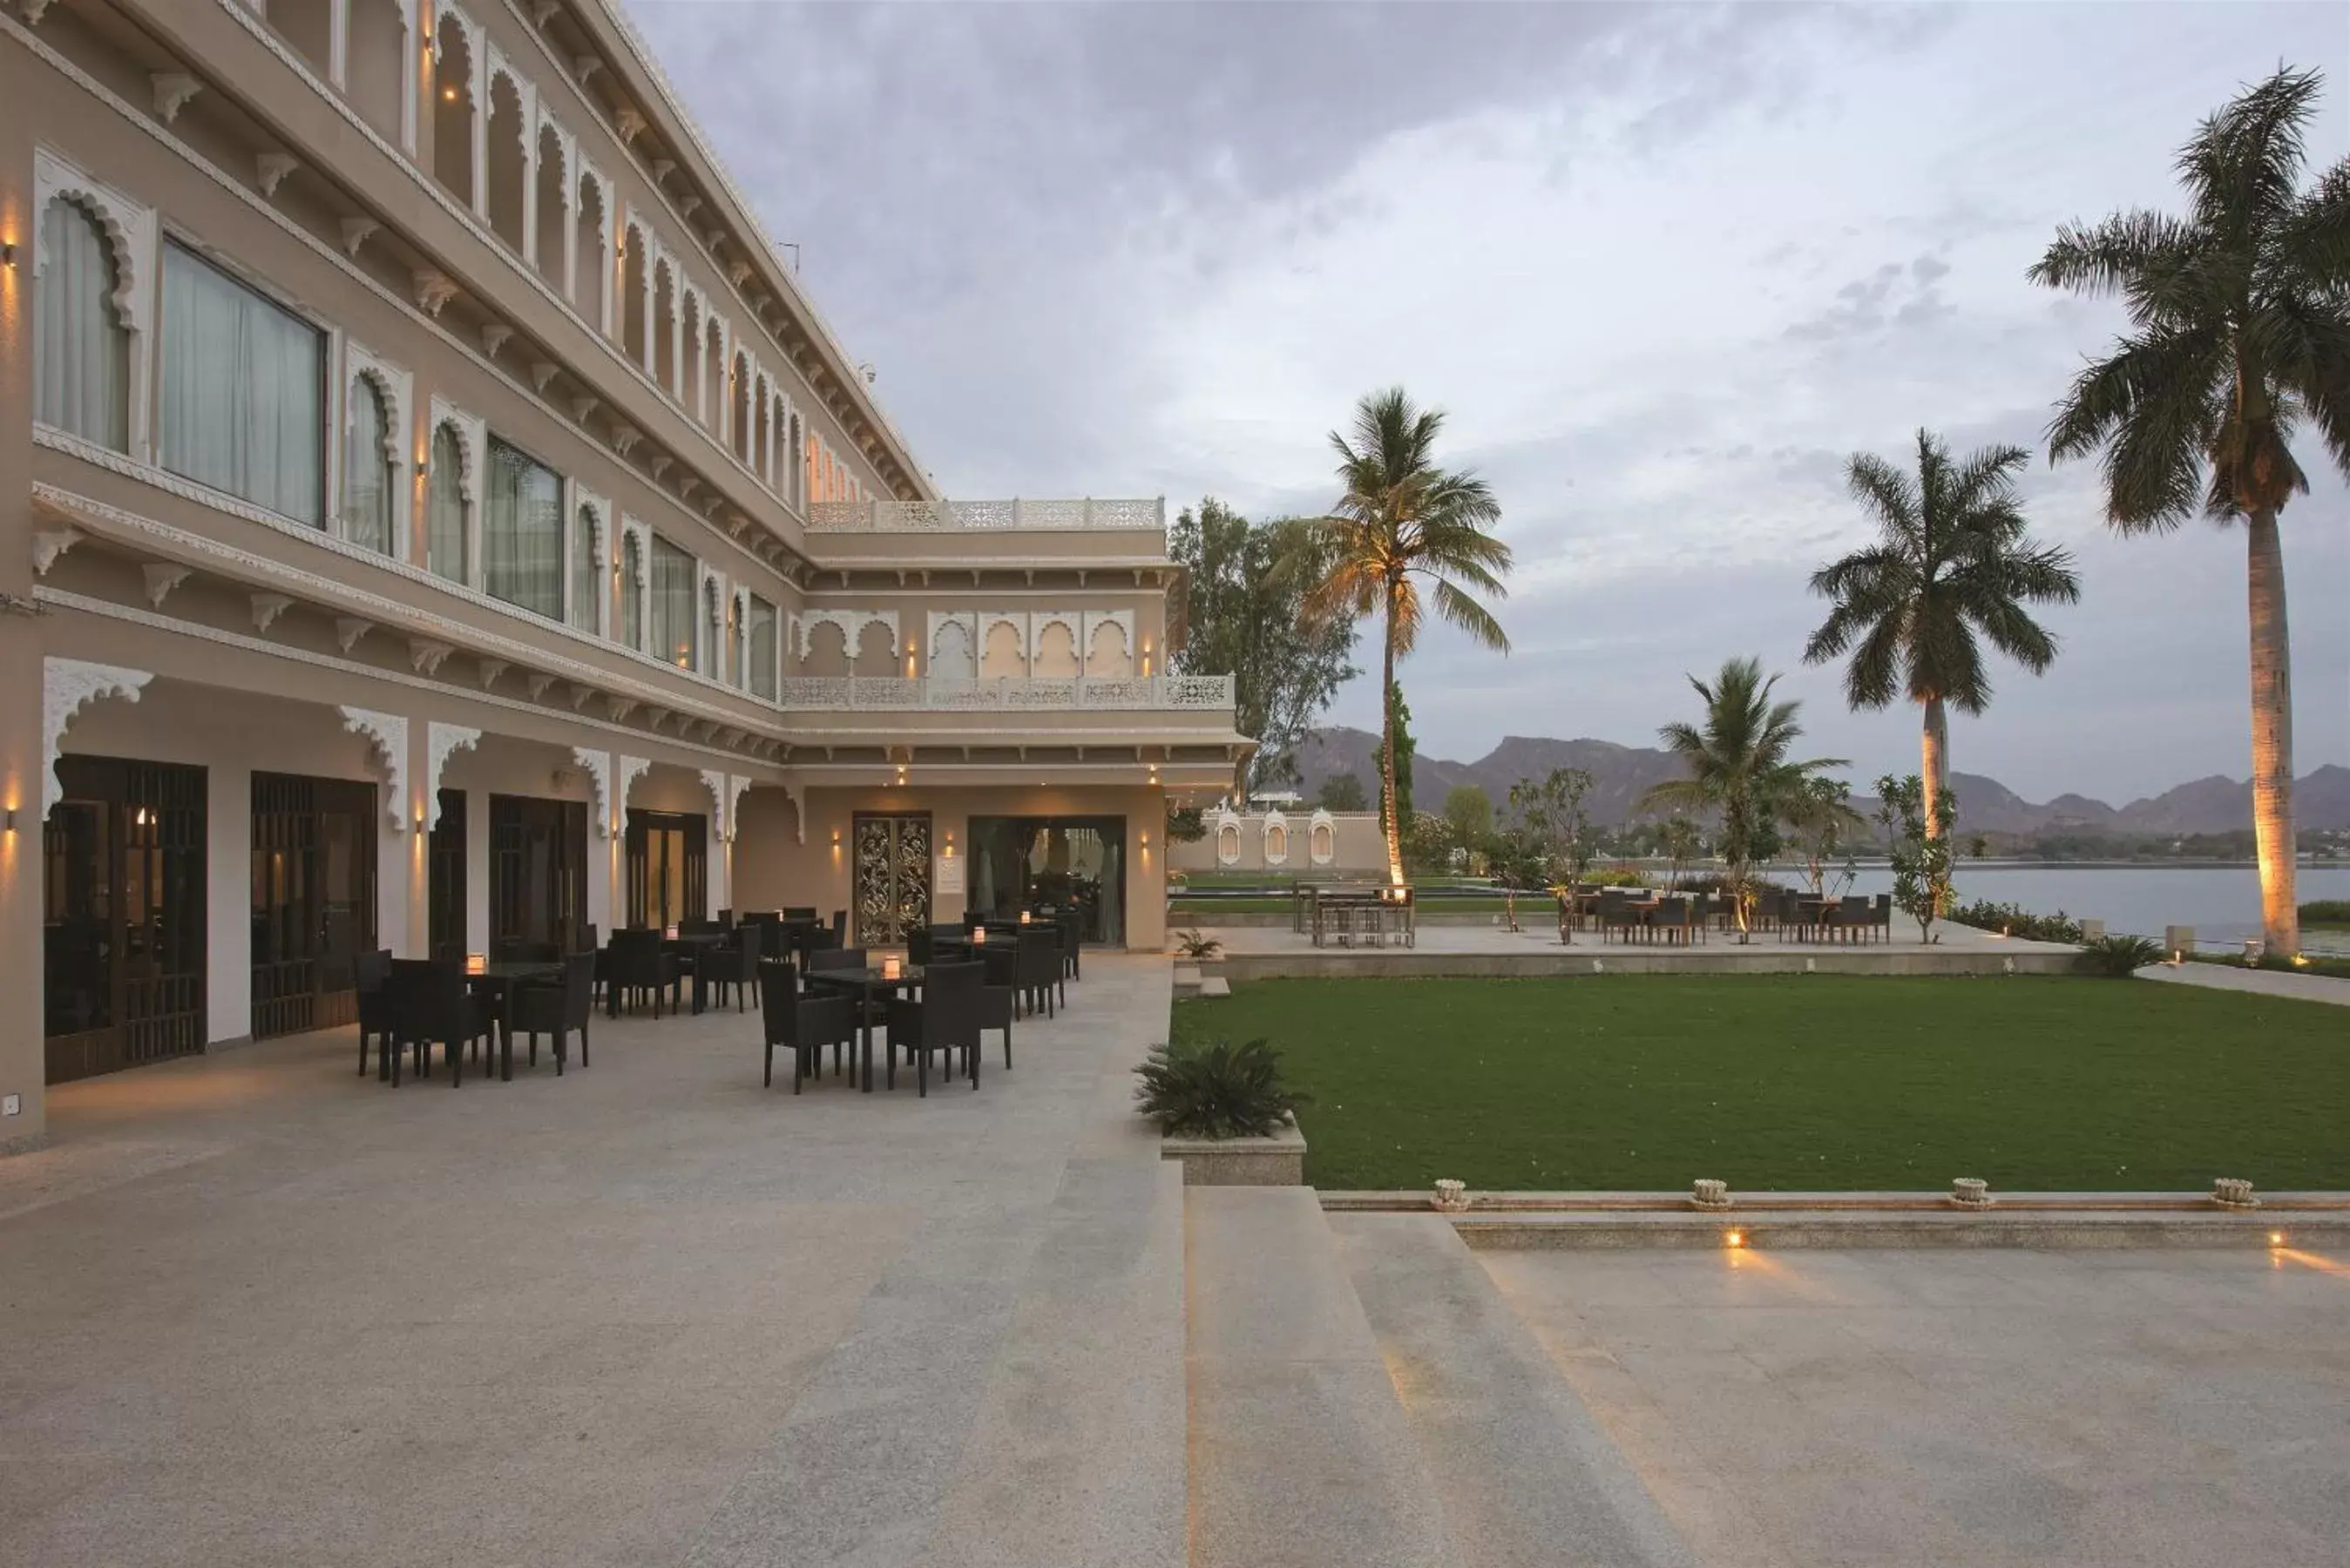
(1666, 268)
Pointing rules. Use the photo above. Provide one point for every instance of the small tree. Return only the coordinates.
(1921, 863)
(1185, 824)
(1521, 862)
(1551, 811)
(1468, 823)
(1678, 837)
(1343, 792)
(1821, 815)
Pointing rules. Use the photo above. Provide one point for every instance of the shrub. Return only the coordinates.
(1614, 876)
(1986, 916)
(2327, 912)
(1198, 1089)
(1197, 944)
(2119, 957)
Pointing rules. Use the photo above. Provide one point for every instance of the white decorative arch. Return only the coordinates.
(1017, 620)
(473, 439)
(852, 625)
(714, 781)
(735, 785)
(629, 769)
(68, 685)
(395, 387)
(953, 651)
(598, 766)
(442, 743)
(387, 736)
(1227, 837)
(1322, 838)
(128, 228)
(636, 528)
(1277, 838)
(1122, 623)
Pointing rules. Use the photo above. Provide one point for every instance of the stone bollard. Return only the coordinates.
(2234, 1192)
(2179, 942)
(1707, 1193)
(2092, 931)
(1970, 1192)
(1451, 1197)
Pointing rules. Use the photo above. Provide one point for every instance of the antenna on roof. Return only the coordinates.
(792, 246)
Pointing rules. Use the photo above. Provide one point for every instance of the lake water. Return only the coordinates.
(2221, 902)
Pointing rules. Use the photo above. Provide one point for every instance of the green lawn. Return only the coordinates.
(1801, 1081)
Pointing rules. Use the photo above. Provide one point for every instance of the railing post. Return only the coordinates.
(1086, 513)
(1019, 514)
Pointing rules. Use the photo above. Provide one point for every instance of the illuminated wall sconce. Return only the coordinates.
(8, 820)
(1145, 840)
(836, 838)
(7, 253)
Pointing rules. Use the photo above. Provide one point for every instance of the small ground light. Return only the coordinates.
(1733, 1238)
(2276, 1238)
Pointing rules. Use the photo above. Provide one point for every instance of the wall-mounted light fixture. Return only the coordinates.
(836, 838)
(8, 820)
(7, 253)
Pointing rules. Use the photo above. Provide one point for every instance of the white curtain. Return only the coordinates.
(444, 543)
(243, 391)
(674, 575)
(521, 533)
(587, 582)
(632, 594)
(762, 647)
(367, 471)
(80, 351)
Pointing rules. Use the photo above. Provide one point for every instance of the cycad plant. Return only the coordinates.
(1951, 568)
(1401, 521)
(2238, 331)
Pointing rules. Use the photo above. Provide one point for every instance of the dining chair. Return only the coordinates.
(432, 1005)
(1039, 967)
(945, 1019)
(558, 1007)
(639, 964)
(806, 1023)
(730, 966)
(372, 974)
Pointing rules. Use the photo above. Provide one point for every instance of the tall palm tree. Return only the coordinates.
(1401, 521)
(1950, 561)
(1738, 768)
(2239, 329)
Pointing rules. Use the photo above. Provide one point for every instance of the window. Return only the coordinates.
(521, 533)
(673, 574)
(369, 482)
(243, 399)
(80, 351)
(444, 542)
(586, 581)
(762, 647)
(632, 593)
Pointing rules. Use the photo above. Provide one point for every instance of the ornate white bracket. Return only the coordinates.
(797, 795)
(495, 335)
(172, 91)
(598, 766)
(539, 682)
(583, 405)
(442, 740)
(266, 608)
(161, 578)
(629, 770)
(489, 669)
(356, 232)
(433, 290)
(617, 708)
(388, 734)
(542, 371)
(579, 695)
(270, 170)
(735, 785)
(348, 630)
(424, 656)
(68, 685)
(625, 438)
(51, 542)
(715, 783)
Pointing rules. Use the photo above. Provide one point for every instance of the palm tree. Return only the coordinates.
(2239, 329)
(1400, 521)
(1738, 768)
(1950, 561)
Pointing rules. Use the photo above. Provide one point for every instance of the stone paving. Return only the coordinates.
(2149, 1408)
(260, 1310)
(2259, 982)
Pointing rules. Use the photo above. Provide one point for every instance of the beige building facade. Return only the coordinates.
(432, 515)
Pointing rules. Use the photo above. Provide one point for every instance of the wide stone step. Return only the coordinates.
(1301, 1456)
(1526, 1476)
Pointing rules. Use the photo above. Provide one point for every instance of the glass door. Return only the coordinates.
(313, 865)
(1019, 862)
(123, 917)
(668, 870)
(538, 872)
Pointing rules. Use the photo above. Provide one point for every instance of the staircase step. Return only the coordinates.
(1215, 985)
(1187, 980)
(1526, 1476)
(1301, 1456)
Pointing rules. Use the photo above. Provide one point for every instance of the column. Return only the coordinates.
(228, 903)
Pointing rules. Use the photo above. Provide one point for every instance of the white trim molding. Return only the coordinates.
(68, 685)
(386, 735)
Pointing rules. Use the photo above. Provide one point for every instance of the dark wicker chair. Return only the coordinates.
(432, 1005)
(946, 1019)
(636, 964)
(1040, 966)
(559, 1009)
(372, 973)
(732, 966)
(803, 1024)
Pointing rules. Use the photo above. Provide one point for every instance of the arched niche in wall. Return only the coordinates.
(1228, 838)
(1322, 838)
(954, 655)
(1276, 839)
(1055, 655)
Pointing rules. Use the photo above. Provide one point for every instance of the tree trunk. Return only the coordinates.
(2271, 736)
(1388, 757)
(1936, 746)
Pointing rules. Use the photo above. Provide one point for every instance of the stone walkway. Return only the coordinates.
(261, 1310)
(2259, 981)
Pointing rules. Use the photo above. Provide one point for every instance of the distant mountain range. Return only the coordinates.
(1619, 774)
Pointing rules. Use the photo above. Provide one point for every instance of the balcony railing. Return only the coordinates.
(985, 517)
(944, 694)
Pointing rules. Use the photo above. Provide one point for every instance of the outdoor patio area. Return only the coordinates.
(264, 1309)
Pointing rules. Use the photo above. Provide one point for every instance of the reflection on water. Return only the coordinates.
(2221, 902)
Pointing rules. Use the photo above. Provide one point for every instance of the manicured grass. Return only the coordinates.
(1206, 910)
(1801, 1081)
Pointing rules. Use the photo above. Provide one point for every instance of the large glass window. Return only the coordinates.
(368, 479)
(444, 542)
(80, 351)
(762, 647)
(632, 593)
(674, 575)
(243, 391)
(521, 532)
(1058, 862)
(587, 575)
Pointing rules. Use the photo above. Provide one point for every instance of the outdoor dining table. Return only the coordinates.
(1812, 914)
(500, 980)
(695, 946)
(869, 985)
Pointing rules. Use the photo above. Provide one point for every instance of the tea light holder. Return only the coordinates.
(979, 936)
(477, 964)
(668, 933)
(890, 970)
(1023, 916)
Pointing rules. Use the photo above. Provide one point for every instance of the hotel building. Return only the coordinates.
(432, 515)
